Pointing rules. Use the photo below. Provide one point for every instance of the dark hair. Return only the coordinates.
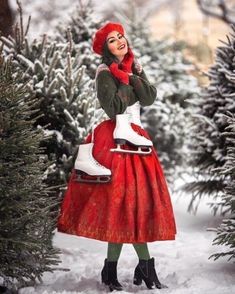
(107, 57)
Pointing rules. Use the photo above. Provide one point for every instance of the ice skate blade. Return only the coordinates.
(91, 179)
(126, 142)
(139, 151)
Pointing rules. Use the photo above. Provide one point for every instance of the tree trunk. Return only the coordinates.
(6, 18)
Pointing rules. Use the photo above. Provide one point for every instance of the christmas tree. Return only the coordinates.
(83, 24)
(26, 218)
(212, 144)
(226, 231)
(55, 74)
(208, 144)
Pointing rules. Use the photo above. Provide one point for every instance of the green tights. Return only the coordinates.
(114, 251)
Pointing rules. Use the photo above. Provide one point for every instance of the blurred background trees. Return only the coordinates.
(221, 9)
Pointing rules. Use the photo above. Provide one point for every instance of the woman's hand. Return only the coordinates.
(138, 67)
(122, 76)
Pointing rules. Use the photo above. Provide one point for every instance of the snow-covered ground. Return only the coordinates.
(182, 264)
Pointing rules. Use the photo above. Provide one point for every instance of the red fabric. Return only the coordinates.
(121, 71)
(122, 76)
(135, 207)
(101, 35)
(126, 64)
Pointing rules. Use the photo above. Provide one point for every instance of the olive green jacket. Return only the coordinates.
(114, 96)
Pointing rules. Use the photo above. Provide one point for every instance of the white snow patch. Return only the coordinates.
(182, 265)
(49, 133)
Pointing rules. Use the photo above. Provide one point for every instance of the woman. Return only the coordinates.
(135, 207)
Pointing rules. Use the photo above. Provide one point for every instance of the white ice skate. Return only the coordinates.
(88, 169)
(124, 134)
(134, 111)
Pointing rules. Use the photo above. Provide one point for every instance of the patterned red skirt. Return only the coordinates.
(135, 207)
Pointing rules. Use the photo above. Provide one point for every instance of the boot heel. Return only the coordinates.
(137, 278)
(145, 271)
(109, 276)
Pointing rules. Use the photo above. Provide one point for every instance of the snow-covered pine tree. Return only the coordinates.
(26, 218)
(207, 143)
(226, 231)
(67, 94)
(83, 24)
(166, 119)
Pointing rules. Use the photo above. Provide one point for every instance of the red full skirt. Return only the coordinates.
(135, 207)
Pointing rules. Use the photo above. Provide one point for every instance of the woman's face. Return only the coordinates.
(117, 44)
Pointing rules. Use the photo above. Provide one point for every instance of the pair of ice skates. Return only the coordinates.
(89, 170)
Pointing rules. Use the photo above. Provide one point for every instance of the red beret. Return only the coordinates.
(101, 35)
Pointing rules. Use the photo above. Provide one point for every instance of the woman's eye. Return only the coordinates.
(120, 37)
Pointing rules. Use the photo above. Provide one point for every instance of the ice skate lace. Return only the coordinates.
(97, 163)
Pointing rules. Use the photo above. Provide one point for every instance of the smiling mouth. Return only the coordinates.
(121, 47)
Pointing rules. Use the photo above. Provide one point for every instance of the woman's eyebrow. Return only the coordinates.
(110, 38)
(114, 37)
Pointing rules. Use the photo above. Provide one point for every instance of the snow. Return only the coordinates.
(50, 133)
(182, 264)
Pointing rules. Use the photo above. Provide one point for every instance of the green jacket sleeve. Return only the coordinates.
(113, 96)
(145, 92)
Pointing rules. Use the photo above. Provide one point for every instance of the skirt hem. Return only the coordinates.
(118, 239)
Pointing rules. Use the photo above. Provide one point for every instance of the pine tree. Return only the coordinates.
(83, 24)
(26, 218)
(207, 142)
(57, 76)
(166, 67)
(226, 230)
(212, 145)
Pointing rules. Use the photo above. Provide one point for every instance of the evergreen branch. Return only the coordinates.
(199, 189)
(20, 242)
(28, 25)
(21, 21)
(70, 41)
(216, 256)
(6, 42)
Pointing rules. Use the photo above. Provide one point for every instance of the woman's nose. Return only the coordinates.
(118, 42)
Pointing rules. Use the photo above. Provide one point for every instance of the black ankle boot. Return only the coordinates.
(145, 270)
(109, 275)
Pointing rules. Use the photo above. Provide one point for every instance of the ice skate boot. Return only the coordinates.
(124, 134)
(134, 111)
(88, 169)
